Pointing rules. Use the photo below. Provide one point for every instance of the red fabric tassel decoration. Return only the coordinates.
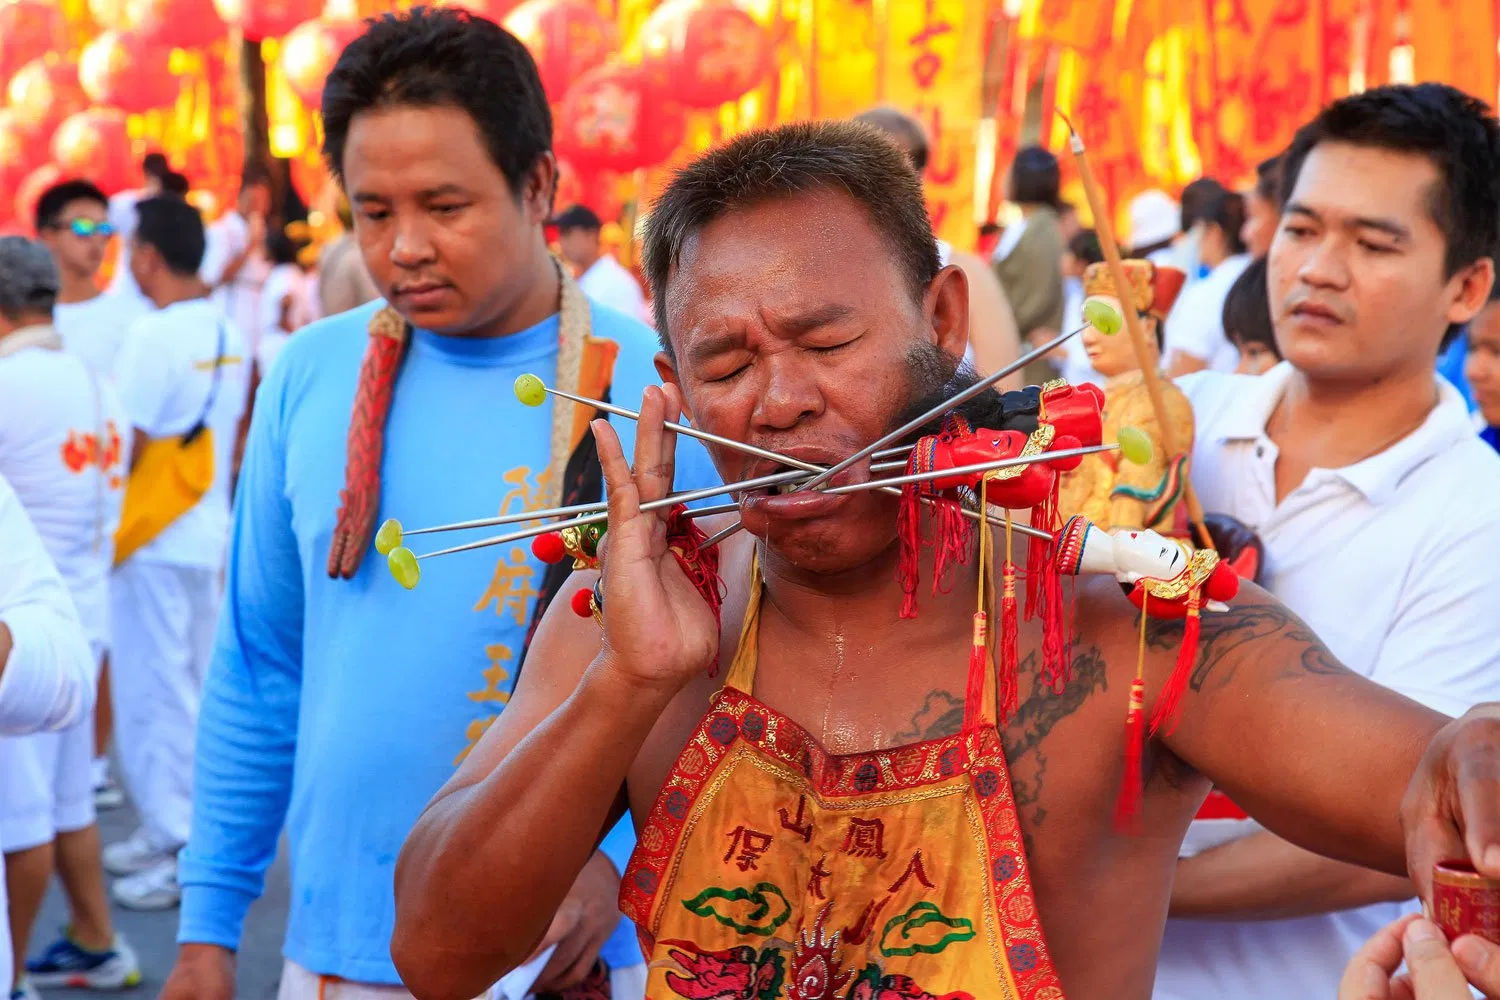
(1009, 644)
(952, 535)
(1169, 705)
(978, 666)
(1132, 785)
(909, 532)
(360, 497)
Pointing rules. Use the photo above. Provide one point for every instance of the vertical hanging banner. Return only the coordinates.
(1454, 41)
(934, 61)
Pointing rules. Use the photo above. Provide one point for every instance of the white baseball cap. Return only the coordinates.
(1154, 217)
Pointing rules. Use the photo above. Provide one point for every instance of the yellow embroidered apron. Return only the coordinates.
(770, 869)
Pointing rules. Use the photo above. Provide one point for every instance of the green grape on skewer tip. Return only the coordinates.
(1135, 446)
(531, 390)
(1103, 317)
(388, 537)
(404, 568)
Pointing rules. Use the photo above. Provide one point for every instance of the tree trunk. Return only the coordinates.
(256, 126)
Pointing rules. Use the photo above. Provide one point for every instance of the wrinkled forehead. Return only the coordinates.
(781, 257)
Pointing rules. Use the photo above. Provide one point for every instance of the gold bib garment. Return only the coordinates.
(771, 869)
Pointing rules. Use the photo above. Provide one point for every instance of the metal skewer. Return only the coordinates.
(916, 422)
(875, 484)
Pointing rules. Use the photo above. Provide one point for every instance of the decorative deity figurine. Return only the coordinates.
(1108, 493)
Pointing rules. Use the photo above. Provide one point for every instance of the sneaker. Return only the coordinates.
(132, 855)
(153, 889)
(65, 964)
(108, 794)
(25, 991)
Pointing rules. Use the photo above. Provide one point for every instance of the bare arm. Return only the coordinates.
(1262, 877)
(1314, 752)
(497, 850)
(1183, 363)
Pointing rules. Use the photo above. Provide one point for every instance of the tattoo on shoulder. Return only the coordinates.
(1226, 639)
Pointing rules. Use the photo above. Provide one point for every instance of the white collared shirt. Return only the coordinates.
(1392, 561)
(1195, 326)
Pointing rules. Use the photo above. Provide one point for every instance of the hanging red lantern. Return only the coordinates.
(30, 190)
(710, 50)
(111, 15)
(121, 70)
(493, 10)
(29, 29)
(20, 153)
(567, 38)
(615, 119)
(260, 19)
(96, 145)
(175, 24)
(309, 51)
(44, 92)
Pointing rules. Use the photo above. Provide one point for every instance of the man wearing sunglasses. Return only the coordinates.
(72, 219)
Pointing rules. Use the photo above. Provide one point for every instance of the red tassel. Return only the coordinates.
(1169, 705)
(1009, 645)
(909, 531)
(360, 497)
(1132, 787)
(953, 534)
(978, 667)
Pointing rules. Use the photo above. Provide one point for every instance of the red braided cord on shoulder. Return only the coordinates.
(360, 497)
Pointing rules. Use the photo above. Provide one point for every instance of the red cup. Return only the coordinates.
(1464, 901)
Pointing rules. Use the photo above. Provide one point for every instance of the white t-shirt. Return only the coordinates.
(283, 281)
(93, 329)
(1392, 563)
(65, 448)
(1195, 325)
(608, 281)
(1077, 368)
(48, 680)
(238, 299)
(164, 376)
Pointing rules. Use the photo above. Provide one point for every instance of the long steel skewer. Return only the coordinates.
(916, 422)
(875, 484)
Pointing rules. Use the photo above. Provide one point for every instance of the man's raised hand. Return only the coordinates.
(658, 630)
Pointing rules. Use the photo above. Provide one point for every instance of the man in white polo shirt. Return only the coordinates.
(46, 669)
(62, 448)
(181, 366)
(1376, 503)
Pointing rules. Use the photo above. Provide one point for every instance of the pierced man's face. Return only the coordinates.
(1356, 270)
(448, 241)
(793, 325)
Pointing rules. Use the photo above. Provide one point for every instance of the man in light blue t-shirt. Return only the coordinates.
(338, 703)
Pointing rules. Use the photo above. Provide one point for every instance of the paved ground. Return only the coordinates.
(153, 935)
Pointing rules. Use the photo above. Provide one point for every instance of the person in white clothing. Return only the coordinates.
(234, 260)
(286, 300)
(602, 278)
(183, 366)
(1359, 469)
(46, 667)
(62, 449)
(1155, 227)
(72, 220)
(1195, 328)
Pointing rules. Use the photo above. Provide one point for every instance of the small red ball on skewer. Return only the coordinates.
(583, 603)
(549, 548)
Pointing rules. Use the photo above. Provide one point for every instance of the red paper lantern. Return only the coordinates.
(29, 29)
(615, 119)
(21, 152)
(120, 69)
(111, 15)
(567, 38)
(710, 50)
(309, 51)
(175, 24)
(493, 10)
(260, 19)
(96, 145)
(44, 92)
(29, 192)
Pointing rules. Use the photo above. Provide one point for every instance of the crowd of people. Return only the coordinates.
(194, 460)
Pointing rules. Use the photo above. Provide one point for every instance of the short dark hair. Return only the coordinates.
(281, 248)
(905, 129)
(254, 175)
(1457, 133)
(1268, 179)
(1226, 209)
(155, 165)
(1247, 309)
(49, 207)
(175, 230)
(176, 184)
(787, 160)
(1085, 246)
(1196, 198)
(577, 217)
(1035, 177)
(443, 57)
